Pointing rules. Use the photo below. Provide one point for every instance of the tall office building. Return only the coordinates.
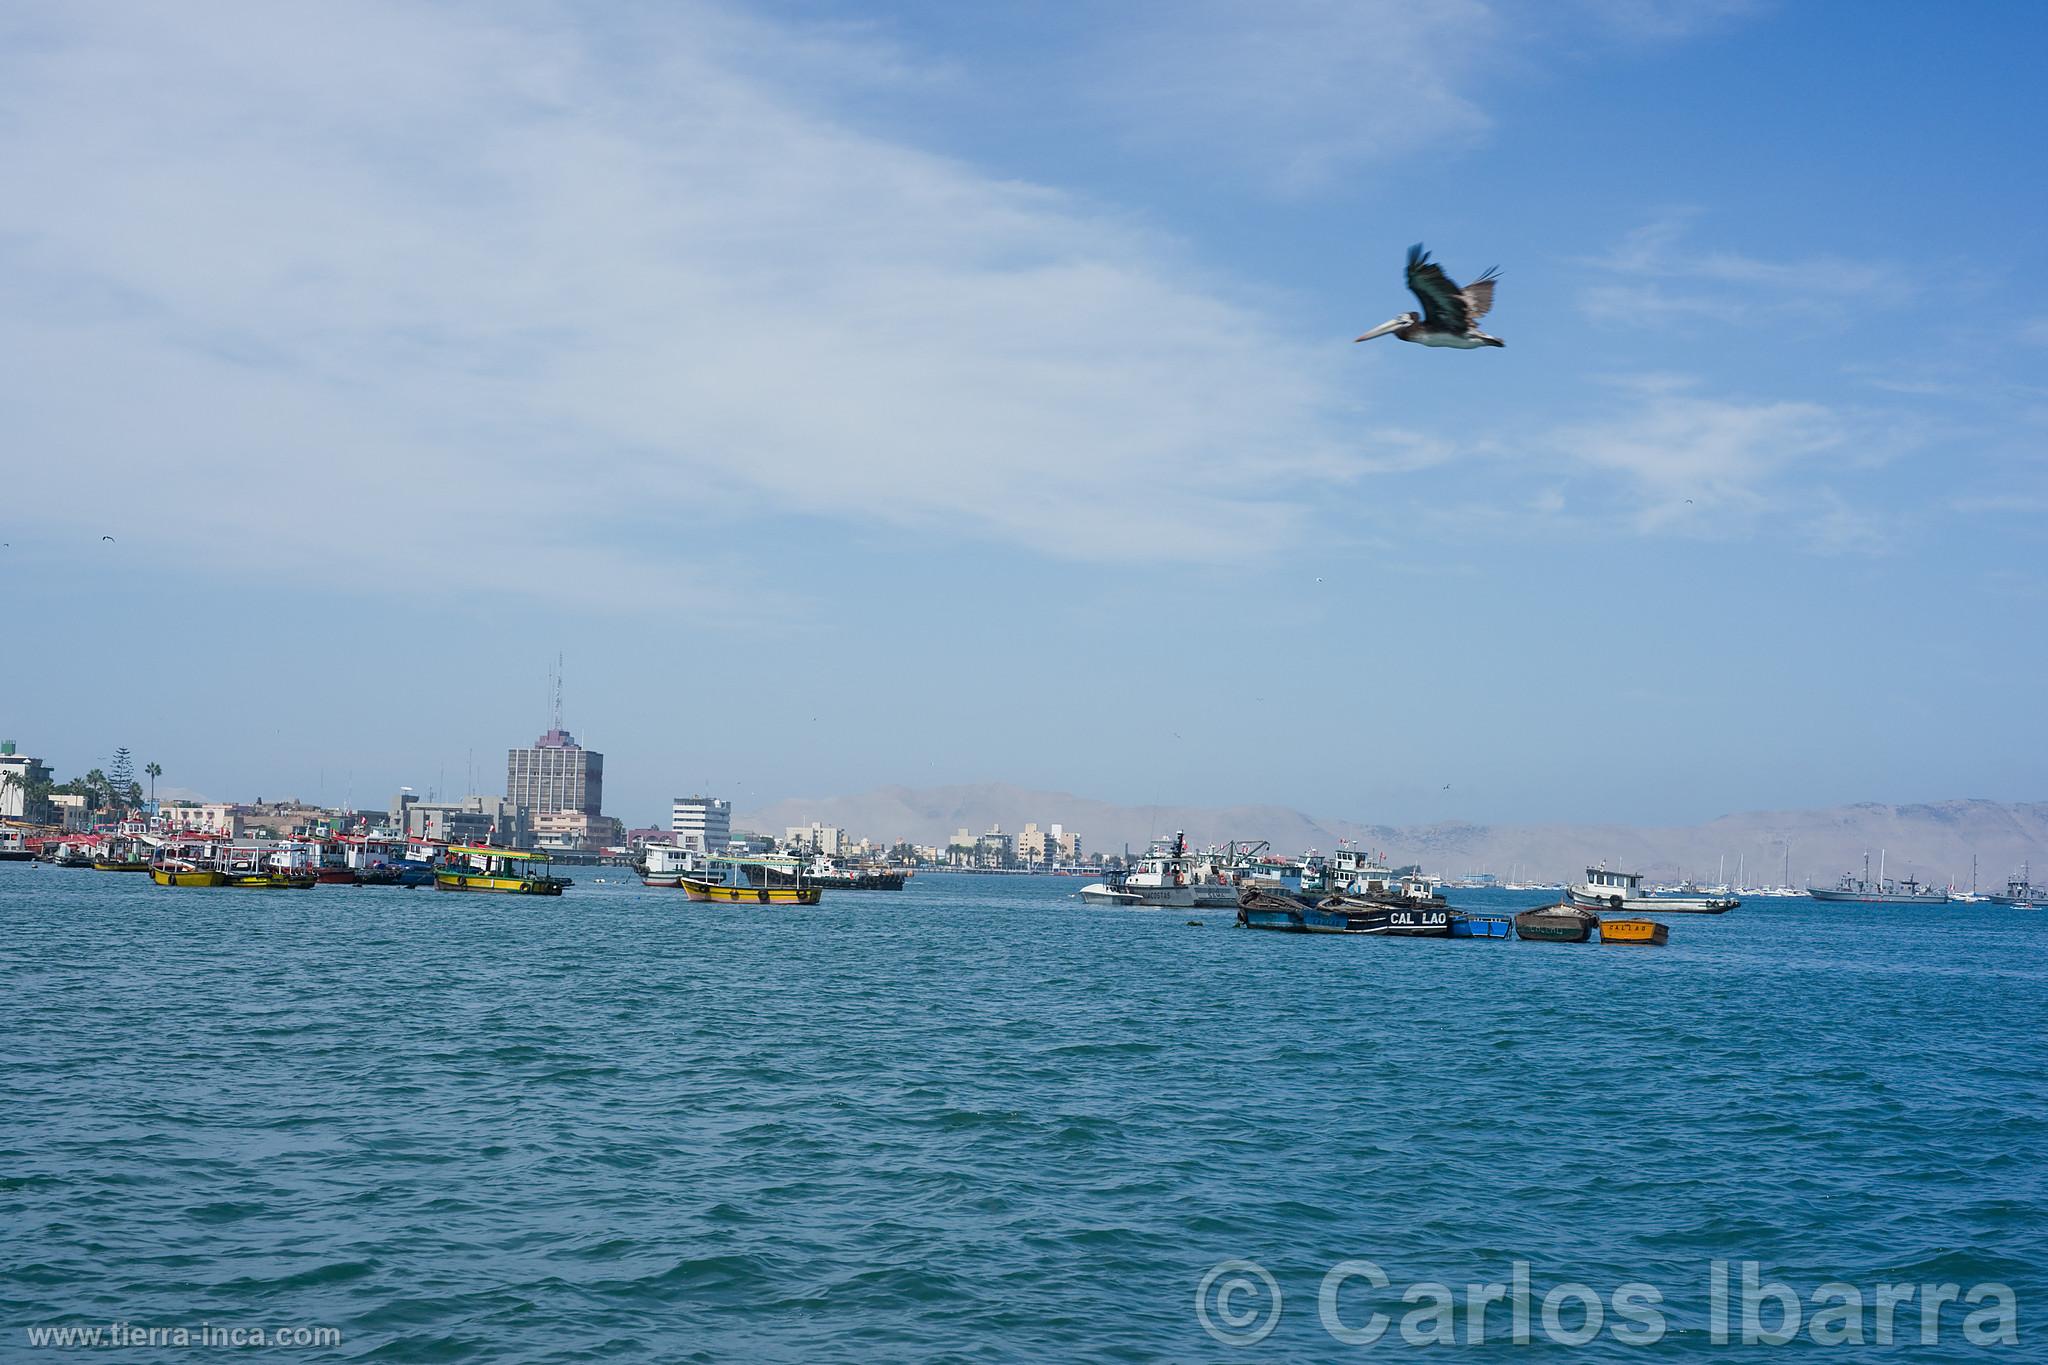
(557, 774)
(701, 822)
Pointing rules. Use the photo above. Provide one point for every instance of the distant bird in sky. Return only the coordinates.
(1450, 315)
(1447, 786)
(106, 537)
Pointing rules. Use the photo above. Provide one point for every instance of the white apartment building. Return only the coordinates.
(826, 839)
(703, 823)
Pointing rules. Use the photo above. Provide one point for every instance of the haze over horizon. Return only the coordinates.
(893, 395)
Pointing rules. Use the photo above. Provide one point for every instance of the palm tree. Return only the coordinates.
(154, 770)
(98, 790)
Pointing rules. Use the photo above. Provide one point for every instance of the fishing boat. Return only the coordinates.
(502, 870)
(1634, 931)
(1364, 916)
(1481, 926)
(1168, 875)
(260, 867)
(1623, 891)
(829, 876)
(191, 864)
(668, 864)
(2019, 893)
(333, 868)
(121, 855)
(14, 848)
(1555, 924)
(416, 864)
(1268, 905)
(752, 880)
(1110, 891)
(1879, 891)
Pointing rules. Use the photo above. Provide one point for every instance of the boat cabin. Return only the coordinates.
(1627, 883)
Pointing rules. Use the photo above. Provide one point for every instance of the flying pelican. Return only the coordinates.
(1450, 315)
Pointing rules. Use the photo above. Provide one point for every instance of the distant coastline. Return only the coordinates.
(1934, 841)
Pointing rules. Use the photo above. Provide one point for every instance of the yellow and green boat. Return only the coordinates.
(498, 869)
(275, 880)
(120, 855)
(751, 881)
(186, 874)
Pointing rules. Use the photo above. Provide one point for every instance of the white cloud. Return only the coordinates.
(1295, 92)
(322, 279)
(1707, 464)
(1654, 274)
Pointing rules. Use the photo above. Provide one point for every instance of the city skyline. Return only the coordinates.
(1003, 371)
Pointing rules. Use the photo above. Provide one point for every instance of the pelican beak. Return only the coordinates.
(1382, 329)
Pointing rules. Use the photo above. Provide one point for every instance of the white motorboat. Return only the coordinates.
(1619, 892)
(668, 864)
(1169, 875)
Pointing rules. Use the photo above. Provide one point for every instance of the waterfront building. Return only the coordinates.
(574, 831)
(287, 819)
(71, 811)
(995, 848)
(473, 820)
(702, 823)
(814, 838)
(1066, 846)
(555, 774)
(26, 772)
(221, 819)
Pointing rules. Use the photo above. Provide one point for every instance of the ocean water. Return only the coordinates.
(978, 1121)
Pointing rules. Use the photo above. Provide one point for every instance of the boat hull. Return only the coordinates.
(271, 881)
(1642, 931)
(1101, 893)
(505, 886)
(1482, 926)
(1653, 905)
(1391, 921)
(864, 881)
(197, 877)
(1878, 897)
(1555, 924)
(119, 865)
(719, 894)
(1293, 919)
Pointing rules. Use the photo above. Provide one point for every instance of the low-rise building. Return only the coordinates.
(995, 849)
(71, 811)
(222, 819)
(472, 820)
(575, 831)
(702, 823)
(814, 838)
(26, 774)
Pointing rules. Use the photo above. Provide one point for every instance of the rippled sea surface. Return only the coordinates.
(978, 1121)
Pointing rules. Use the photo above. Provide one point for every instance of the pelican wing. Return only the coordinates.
(1479, 295)
(1443, 306)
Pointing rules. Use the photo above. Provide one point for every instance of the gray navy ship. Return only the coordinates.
(2020, 893)
(1883, 891)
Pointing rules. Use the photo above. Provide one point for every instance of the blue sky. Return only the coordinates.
(868, 394)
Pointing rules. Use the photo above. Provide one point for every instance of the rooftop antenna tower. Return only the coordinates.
(558, 689)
